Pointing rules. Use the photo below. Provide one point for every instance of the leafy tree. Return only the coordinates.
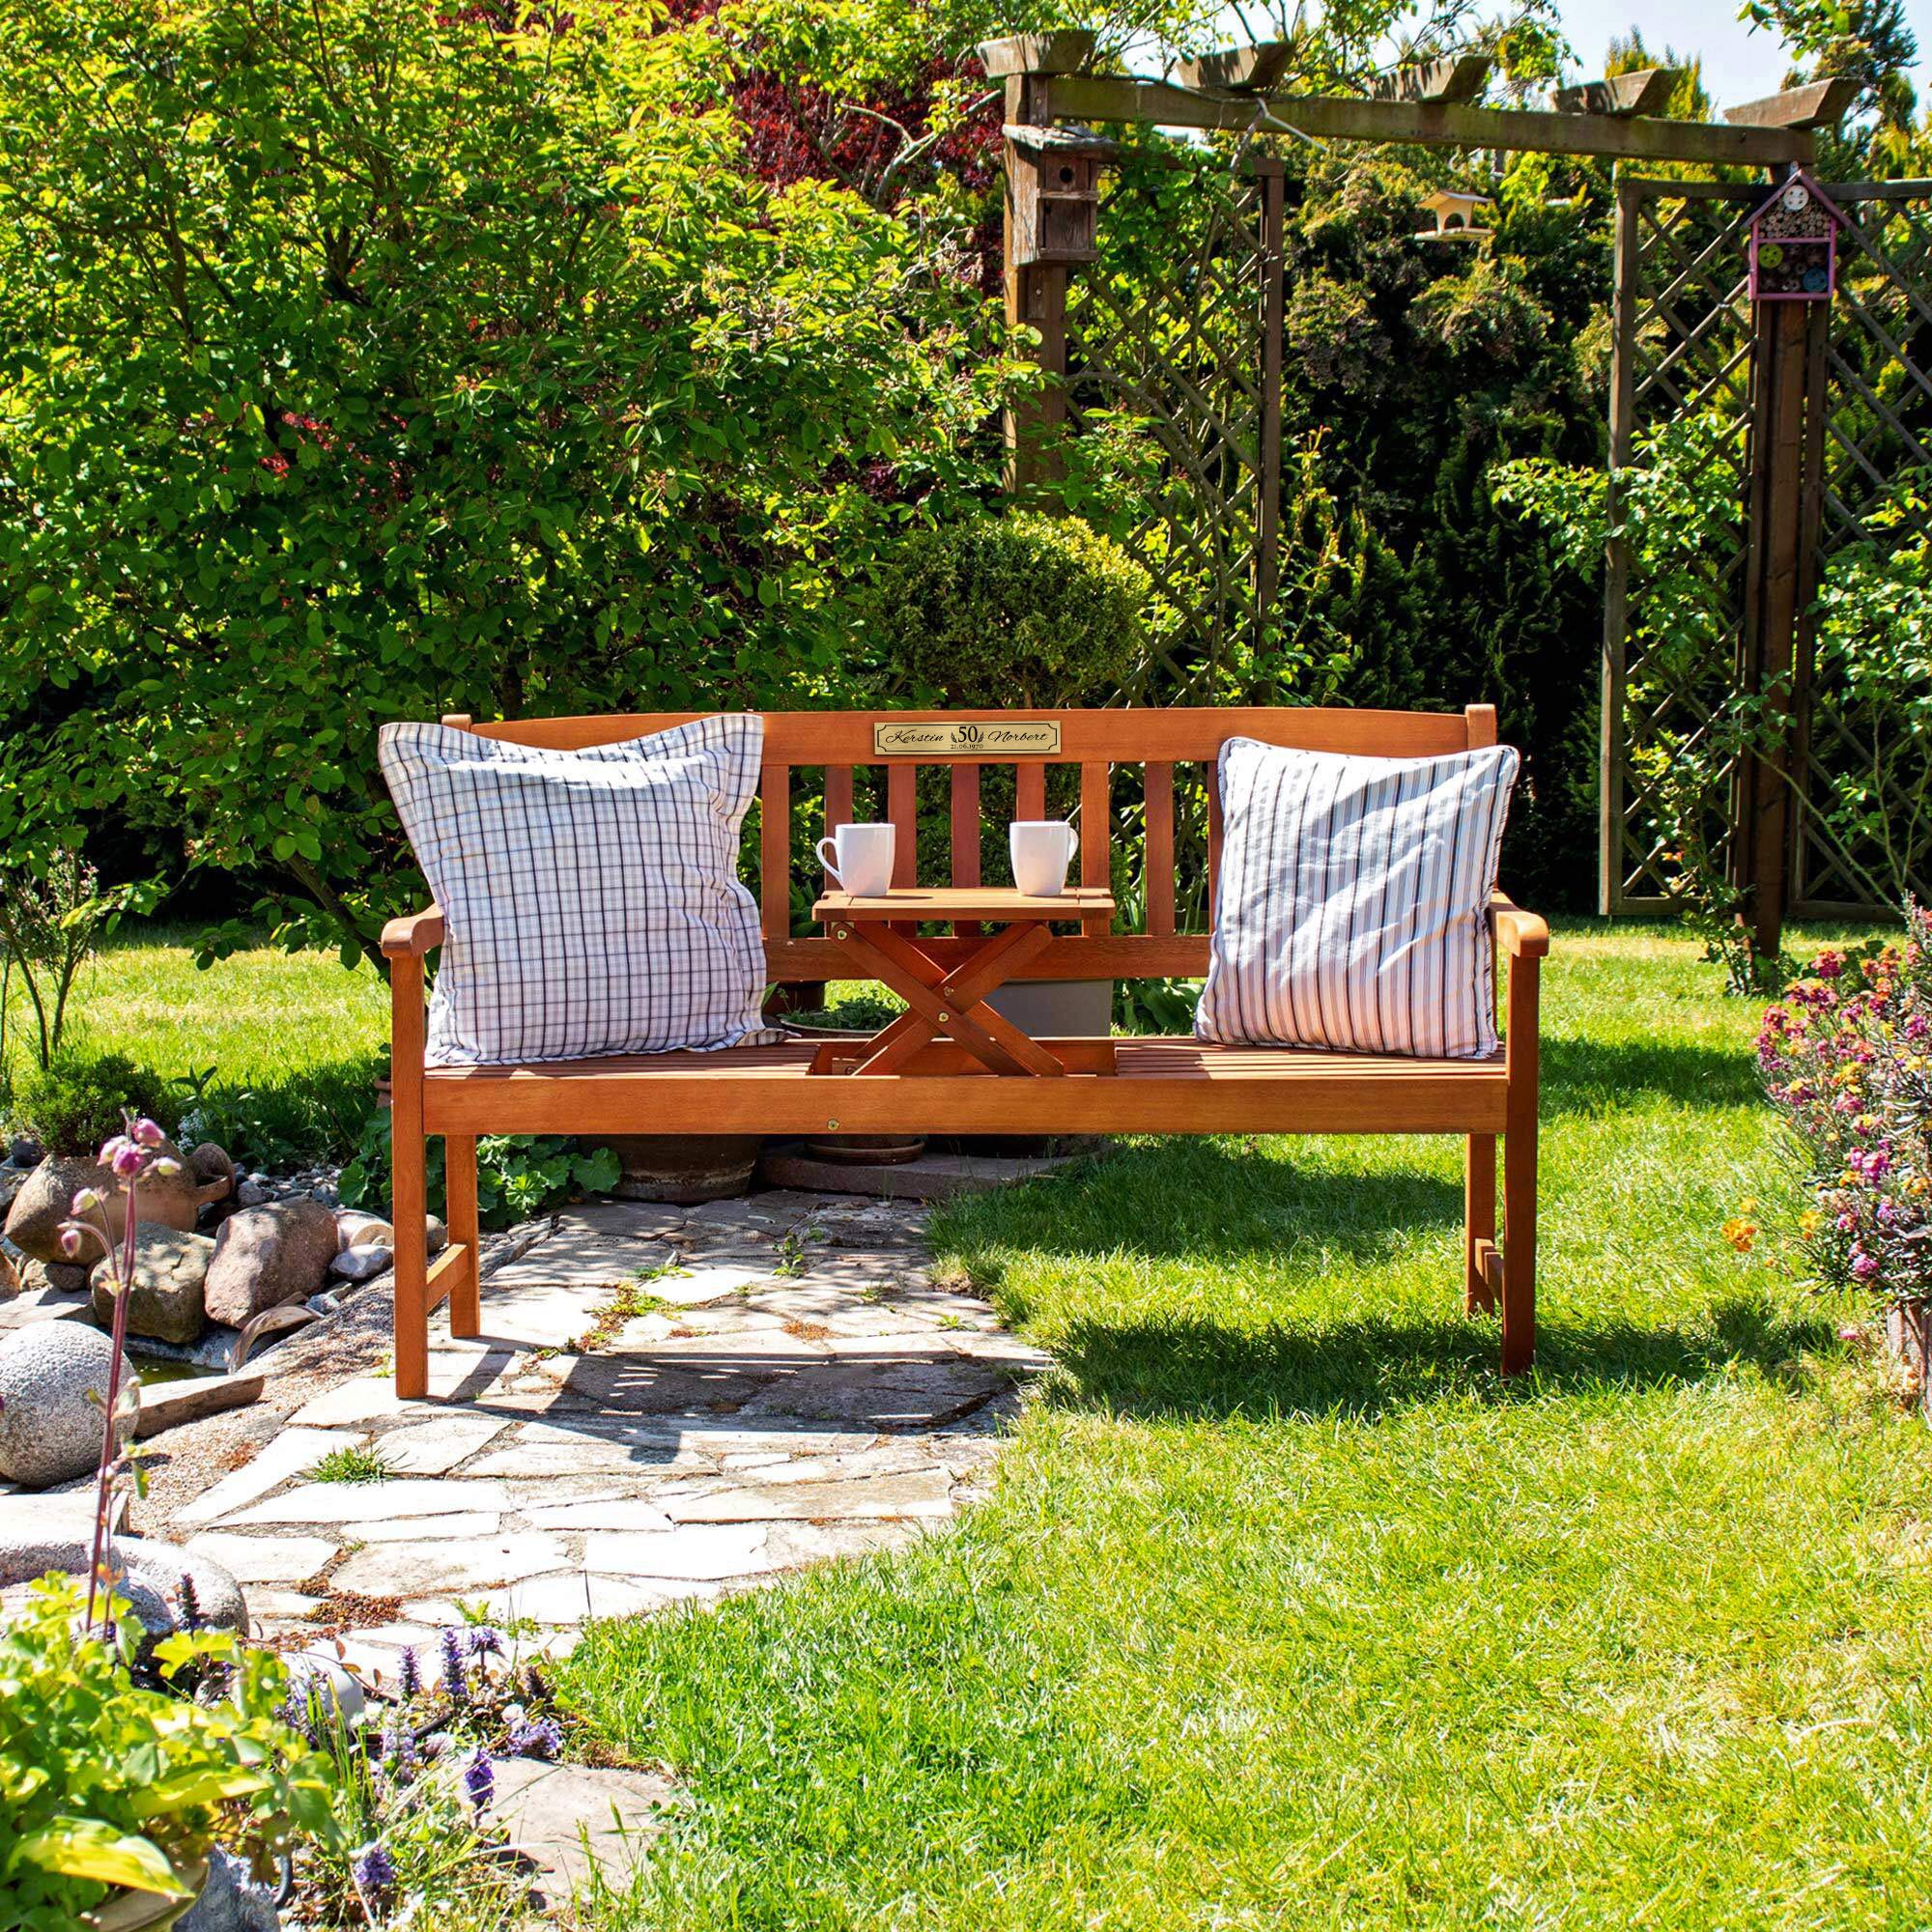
(1869, 42)
(360, 361)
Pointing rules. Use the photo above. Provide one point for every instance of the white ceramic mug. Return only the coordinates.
(1042, 849)
(860, 859)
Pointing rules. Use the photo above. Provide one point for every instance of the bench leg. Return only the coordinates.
(408, 1183)
(1519, 1172)
(1479, 1219)
(458, 1166)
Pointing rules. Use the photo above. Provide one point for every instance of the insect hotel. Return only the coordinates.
(1794, 243)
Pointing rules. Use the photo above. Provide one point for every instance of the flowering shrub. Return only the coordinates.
(1847, 1055)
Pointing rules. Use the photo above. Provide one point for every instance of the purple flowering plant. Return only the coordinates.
(1846, 1056)
(139, 1152)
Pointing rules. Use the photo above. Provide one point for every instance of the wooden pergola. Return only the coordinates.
(1055, 103)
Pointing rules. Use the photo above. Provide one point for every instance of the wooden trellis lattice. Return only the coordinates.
(1187, 349)
(1824, 409)
(1197, 360)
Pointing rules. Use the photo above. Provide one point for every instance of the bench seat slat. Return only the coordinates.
(1161, 1085)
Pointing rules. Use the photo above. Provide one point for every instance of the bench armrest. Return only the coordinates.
(1522, 934)
(414, 933)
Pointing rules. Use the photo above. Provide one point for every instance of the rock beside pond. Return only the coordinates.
(362, 1263)
(55, 1277)
(165, 1301)
(269, 1255)
(49, 1430)
(231, 1901)
(46, 1199)
(61, 1539)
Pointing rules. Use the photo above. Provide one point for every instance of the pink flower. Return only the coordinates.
(69, 1242)
(147, 1133)
(128, 1161)
(1863, 1265)
(1828, 965)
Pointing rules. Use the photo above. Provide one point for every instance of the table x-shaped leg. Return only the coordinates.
(950, 1002)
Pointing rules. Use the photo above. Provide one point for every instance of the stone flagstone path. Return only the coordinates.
(665, 1404)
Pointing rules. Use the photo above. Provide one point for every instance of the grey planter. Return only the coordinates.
(1057, 1008)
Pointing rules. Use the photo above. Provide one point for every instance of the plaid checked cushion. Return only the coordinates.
(590, 899)
(1353, 900)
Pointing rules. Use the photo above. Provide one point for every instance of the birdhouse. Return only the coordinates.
(1794, 243)
(1456, 216)
(1053, 184)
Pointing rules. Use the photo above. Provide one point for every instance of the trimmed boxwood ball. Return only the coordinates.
(1021, 611)
(76, 1103)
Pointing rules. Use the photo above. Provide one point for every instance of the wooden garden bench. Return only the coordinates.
(935, 1084)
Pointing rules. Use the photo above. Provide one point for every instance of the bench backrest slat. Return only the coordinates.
(902, 809)
(1159, 849)
(1096, 860)
(963, 816)
(837, 798)
(838, 743)
(1031, 800)
(774, 851)
(1126, 736)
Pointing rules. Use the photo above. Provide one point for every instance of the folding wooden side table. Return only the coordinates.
(948, 1026)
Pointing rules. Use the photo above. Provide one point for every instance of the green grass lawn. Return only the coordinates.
(1286, 1611)
(294, 1038)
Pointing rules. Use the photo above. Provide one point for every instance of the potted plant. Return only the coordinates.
(1022, 610)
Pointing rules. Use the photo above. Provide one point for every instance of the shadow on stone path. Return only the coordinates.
(664, 1404)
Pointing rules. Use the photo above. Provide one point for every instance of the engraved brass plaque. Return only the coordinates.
(980, 737)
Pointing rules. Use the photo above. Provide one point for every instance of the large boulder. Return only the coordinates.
(46, 1199)
(49, 1430)
(266, 1256)
(165, 1301)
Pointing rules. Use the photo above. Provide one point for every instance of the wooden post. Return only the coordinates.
(409, 1203)
(1037, 297)
(1267, 482)
(1782, 526)
(1611, 750)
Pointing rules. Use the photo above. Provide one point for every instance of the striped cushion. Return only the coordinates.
(590, 899)
(1353, 900)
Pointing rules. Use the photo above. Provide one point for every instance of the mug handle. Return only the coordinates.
(1072, 842)
(826, 857)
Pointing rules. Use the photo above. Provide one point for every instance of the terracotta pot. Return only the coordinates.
(685, 1168)
(867, 1150)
